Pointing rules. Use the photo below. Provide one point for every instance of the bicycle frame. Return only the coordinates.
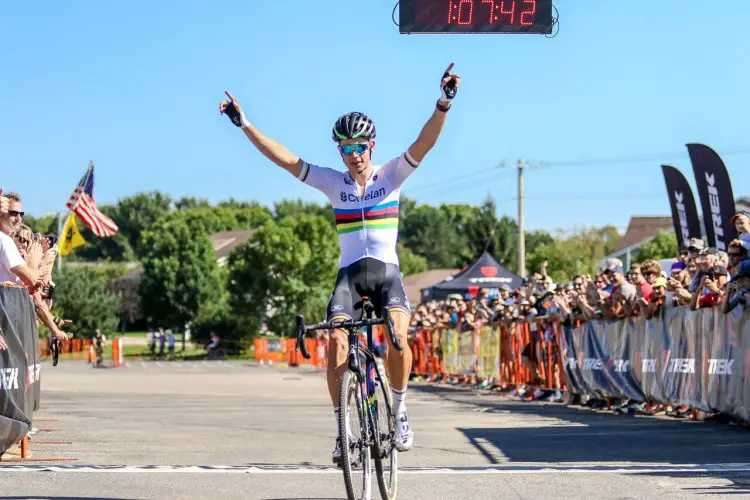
(354, 361)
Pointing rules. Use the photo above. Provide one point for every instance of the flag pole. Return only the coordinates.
(61, 224)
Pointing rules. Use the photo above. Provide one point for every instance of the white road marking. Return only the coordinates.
(307, 469)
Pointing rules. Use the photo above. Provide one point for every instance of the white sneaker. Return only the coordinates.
(404, 434)
(337, 452)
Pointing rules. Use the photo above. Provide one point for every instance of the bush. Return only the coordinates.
(81, 296)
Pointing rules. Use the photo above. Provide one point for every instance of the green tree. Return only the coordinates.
(409, 262)
(298, 258)
(180, 276)
(429, 232)
(574, 254)
(663, 246)
(209, 220)
(138, 213)
(81, 296)
(297, 207)
(189, 202)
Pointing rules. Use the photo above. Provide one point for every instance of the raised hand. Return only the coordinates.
(233, 110)
(34, 254)
(449, 85)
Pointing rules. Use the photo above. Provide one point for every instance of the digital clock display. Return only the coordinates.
(475, 16)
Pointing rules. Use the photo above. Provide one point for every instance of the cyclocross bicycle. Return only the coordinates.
(367, 426)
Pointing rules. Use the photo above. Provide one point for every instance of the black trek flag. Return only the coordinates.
(715, 192)
(684, 212)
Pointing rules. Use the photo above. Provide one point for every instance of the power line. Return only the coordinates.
(565, 164)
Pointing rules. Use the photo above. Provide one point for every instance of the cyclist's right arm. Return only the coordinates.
(272, 150)
(269, 148)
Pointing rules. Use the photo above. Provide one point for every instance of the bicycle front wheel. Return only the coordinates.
(386, 455)
(356, 460)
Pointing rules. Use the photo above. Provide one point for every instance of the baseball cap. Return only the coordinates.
(740, 212)
(696, 243)
(710, 251)
(614, 266)
(660, 281)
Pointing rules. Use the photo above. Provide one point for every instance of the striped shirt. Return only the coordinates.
(368, 225)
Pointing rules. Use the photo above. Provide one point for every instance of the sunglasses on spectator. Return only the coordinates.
(734, 254)
(15, 213)
(23, 241)
(358, 148)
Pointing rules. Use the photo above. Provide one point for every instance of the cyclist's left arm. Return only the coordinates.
(431, 131)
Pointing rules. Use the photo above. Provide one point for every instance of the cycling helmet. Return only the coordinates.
(353, 125)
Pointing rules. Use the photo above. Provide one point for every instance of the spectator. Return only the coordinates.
(622, 291)
(741, 222)
(739, 268)
(695, 247)
(656, 298)
(170, 344)
(24, 238)
(682, 258)
(152, 342)
(162, 341)
(642, 289)
(678, 284)
(709, 282)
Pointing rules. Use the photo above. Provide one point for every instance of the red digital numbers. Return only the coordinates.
(461, 12)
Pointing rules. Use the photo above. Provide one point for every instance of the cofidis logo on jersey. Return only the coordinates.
(353, 198)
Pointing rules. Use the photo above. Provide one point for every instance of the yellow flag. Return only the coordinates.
(71, 238)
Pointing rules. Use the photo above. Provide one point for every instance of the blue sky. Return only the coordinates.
(135, 86)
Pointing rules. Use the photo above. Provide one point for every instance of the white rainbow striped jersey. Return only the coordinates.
(367, 226)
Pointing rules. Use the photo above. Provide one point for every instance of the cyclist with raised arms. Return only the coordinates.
(365, 201)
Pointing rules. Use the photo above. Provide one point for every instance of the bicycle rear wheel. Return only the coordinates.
(356, 460)
(386, 455)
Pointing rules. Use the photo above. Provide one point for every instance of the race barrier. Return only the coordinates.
(507, 355)
(698, 359)
(71, 349)
(20, 369)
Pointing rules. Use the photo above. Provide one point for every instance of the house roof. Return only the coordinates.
(415, 282)
(226, 241)
(641, 228)
(223, 242)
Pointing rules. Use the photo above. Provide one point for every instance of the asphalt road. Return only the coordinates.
(221, 430)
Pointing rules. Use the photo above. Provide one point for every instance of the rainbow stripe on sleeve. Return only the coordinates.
(384, 216)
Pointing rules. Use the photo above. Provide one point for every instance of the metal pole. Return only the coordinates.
(521, 235)
(59, 237)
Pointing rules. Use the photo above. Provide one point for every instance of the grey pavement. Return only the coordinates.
(200, 429)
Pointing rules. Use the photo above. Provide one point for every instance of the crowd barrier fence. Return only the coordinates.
(697, 359)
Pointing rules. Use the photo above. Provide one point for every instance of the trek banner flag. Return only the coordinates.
(684, 212)
(715, 192)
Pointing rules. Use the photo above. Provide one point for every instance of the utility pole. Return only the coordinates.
(521, 234)
(521, 166)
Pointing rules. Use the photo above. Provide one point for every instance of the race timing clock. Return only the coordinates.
(475, 16)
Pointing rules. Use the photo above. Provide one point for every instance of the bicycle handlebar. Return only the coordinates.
(302, 329)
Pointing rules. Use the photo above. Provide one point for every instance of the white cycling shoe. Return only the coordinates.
(404, 434)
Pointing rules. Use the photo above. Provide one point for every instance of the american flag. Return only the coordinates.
(83, 204)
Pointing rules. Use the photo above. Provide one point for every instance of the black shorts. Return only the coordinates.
(371, 278)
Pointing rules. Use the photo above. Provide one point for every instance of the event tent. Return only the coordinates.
(485, 272)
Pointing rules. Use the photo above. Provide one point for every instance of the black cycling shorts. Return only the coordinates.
(371, 278)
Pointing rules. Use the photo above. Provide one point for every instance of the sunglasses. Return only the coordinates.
(23, 241)
(358, 148)
(734, 254)
(15, 213)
